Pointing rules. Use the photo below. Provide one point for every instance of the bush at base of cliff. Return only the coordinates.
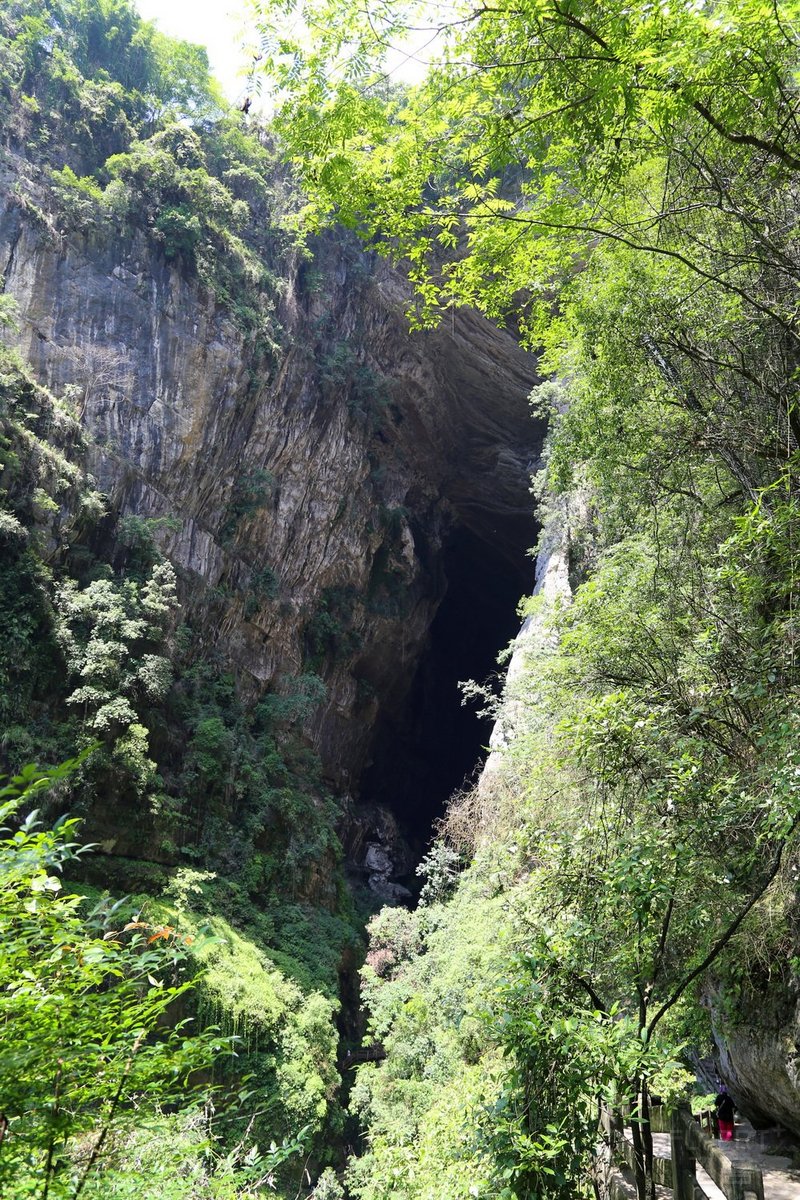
(429, 980)
(88, 1052)
(288, 1039)
(102, 1074)
(174, 1157)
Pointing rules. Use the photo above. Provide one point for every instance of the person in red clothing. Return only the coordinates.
(725, 1110)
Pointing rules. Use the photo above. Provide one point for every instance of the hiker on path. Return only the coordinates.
(725, 1110)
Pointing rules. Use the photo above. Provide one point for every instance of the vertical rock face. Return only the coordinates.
(309, 495)
(758, 1050)
(552, 584)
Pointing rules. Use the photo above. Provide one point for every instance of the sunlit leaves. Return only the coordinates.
(83, 1002)
(555, 109)
(108, 632)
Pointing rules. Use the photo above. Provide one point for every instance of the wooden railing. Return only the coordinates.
(689, 1145)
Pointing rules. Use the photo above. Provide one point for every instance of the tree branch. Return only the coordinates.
(746, 139)
(112, 1112)
(645, 247)
(587, 986)
(725, 938)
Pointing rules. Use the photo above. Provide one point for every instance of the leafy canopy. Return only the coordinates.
(540, 128)
(619, 179)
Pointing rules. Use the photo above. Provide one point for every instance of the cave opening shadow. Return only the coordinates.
(434, 745)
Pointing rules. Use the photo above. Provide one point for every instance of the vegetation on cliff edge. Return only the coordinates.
(619, 181)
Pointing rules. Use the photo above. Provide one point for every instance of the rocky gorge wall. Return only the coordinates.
(311, 496)
(376, 479)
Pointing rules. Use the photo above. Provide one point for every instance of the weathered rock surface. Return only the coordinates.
(377, 851)
(335, 481)
(758, 1052)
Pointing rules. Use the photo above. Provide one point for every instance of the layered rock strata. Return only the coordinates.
(308, 495)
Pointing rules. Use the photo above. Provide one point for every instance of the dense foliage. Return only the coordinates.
(619, 181)
(86, 993)
(212, 813)
(134, 136)
(81, 78)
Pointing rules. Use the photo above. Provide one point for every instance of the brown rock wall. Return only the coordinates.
(351, 493)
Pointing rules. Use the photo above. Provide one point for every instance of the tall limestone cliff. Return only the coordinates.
(317, 501)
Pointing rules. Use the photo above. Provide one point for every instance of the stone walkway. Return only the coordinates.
(781, 1180)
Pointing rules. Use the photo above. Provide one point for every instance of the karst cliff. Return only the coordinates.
(444, 885)
(377, 478)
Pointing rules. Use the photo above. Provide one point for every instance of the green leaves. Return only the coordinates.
(108, 631)
(83, 1005)
(620, 179)
(611, 165)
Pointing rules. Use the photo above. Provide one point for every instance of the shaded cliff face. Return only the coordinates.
(321, 502)
(758, 1048)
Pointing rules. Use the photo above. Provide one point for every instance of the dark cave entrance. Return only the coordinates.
(434, 745)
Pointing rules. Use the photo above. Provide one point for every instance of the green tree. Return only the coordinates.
(562, 143)
(79, 77)
(660, 775)
(109, 633)
(620, 180)
(84, 999)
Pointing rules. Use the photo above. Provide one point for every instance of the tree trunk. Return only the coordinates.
(647, 1139)
(639, 1170)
